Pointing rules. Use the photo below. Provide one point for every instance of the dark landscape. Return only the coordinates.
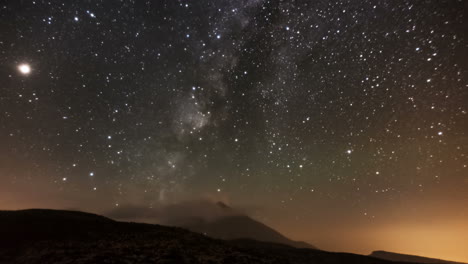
(56, 236)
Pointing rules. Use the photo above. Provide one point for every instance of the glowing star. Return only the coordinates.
(24, 69)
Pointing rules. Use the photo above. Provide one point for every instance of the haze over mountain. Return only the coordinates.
(240, 226)
(214, 219)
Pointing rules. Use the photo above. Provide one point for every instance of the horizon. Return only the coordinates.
(144, 217)
(340, 123)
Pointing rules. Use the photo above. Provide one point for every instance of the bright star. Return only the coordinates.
(24, 68)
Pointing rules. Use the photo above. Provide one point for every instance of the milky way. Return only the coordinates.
(305, 110)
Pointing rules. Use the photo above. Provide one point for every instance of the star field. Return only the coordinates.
(354, 109)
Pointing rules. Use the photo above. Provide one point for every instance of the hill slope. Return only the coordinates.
(409, 258)
(242, 226)
(49, 236)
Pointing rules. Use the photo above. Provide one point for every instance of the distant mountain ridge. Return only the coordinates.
(214, 219)
(239, 226)
(409, 258)
(242, 227)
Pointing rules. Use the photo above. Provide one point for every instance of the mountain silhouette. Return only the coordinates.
(235, 225)
(409, 258)
(54, 236)
(242, 227)
(214, 219)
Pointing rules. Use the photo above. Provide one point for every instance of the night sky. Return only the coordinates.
(341, 123)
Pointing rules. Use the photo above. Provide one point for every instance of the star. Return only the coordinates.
(24, 68)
